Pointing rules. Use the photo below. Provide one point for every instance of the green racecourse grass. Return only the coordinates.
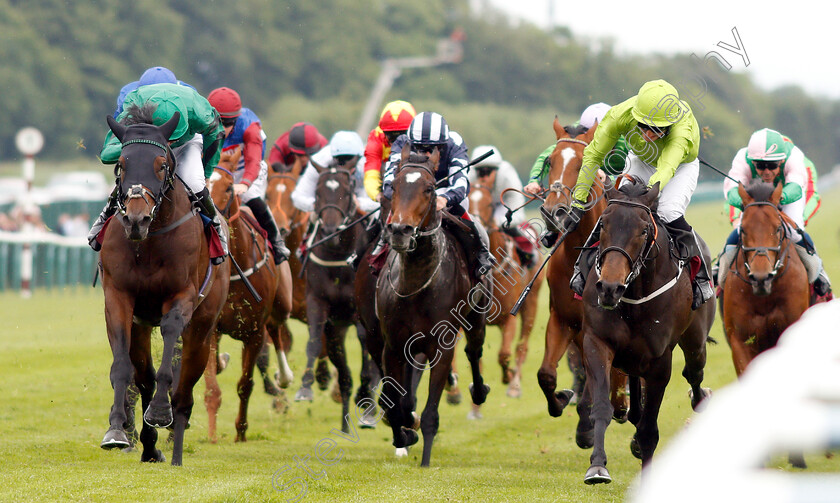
(56, 395)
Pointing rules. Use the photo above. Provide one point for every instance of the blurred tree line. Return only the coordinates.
(64, 63)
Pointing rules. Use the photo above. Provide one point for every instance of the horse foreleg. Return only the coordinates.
(693, 345)
(335, 336)
(619, 396)
(528, 317)
(598, 357)
(398, 404)
(212, 392)
(430, 419)
(178, 314)
(245, 386)
(557, 338)
(144, 378)
(316, 313)
(508, 329)
(474, 348)
(647, 431)
(118, 315)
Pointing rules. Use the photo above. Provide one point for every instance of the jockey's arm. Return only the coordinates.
(303, 197)
(373, 164)
(670, 158)
(606, 136)
(366, 204)
(796, 177)
(540, 165)
(252, 139)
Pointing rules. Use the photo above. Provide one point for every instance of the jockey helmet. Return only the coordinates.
(428, 128)
(396, 116)
(768, 145)
(346, 143)
(157, 75)
(493, 160)
(226, 101)
(593, 113)
(658, 104)
(303, 139)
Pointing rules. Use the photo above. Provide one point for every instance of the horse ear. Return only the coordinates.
(652, 197)
(559, 131)
(117, 128)
(170, 125)
(435, 158)
(745, 197)
(318, 168)
(612, 192)
(776, 197)
(404, 153)
(590, 133)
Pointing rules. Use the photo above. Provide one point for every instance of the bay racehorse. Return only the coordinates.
(278, 195)
(330, 302)
(767, 286)
(565, 321)
(425, 295)
(244, 316)
(637, 308)
(156, 272)
(509, 279)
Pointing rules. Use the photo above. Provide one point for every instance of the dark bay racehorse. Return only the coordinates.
(766, 289)
(330, 303)
(565, 321)
(637, 308)
(243, 317)
(509, 279)
(425, 295)
(156, 272)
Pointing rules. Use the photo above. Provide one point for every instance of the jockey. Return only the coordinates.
(243, 130)
(613, 161)
(343, 151)
(499, 175)
(774, 158)
(153, 75)
(195, 144)
(664, 139)
(393, 122)
(428, 130)
(298, 143)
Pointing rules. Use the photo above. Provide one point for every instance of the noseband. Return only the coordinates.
(138, 191)
(637, 263)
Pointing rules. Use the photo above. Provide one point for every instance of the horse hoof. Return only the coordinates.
(335, 394)
(620, 416)
(585, 439)
(270, 387)
(474, 414)
(507, 375)
(451, 381)
(367, 423)
(797, 460)
(597, 475)
(453, 396)
(304, 394)
(115, 439)
(157, 457)
(411, 437)
(635, 449)
(284, 379)
(158, 417)
(699, 405)
(322, 374)
(222, 362)
(478, 398)
(573, 400)
(401, 452)
(514, 391)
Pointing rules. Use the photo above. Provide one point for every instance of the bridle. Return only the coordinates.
(650, 243)
(346, 214)
(418, 231)
(229, 191)
(563, 192)
(763, 251)
(139, 191)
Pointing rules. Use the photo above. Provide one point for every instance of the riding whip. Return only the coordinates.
(719, 171)
(527, 290)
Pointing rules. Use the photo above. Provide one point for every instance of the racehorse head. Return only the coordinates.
(221, 183)
(481, 204)
(335, 206)
(565, 163)
(413, 207)
(145, 169)
(763, 232)
(628, 235)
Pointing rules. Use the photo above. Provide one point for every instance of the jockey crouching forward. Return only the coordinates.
(499, 175)
(243, 130)
(664, 139)
(343, 151)
(295, 146)
(428, 130)
(773, 158)
(195, 144)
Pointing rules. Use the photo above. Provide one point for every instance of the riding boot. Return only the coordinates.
(813, 266)
(722, 264)
(549, 238)
(578, 281)
(479, 258)
(109, 209)
(686, 239)
(526, 258)
(208, 208)
(266, 221)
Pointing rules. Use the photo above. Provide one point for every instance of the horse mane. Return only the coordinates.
(575, 130)
(417, 158)
(140, 114)
(760, 191)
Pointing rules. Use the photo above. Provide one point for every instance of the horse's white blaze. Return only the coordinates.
(476, 196)
(332, 185)
(412, 177)
(214, 178)
(281, 188)
(401, 452)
